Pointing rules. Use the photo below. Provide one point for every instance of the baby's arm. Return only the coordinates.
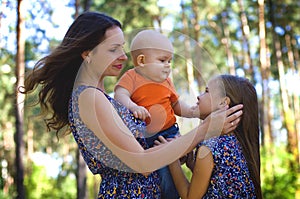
(184, 110)
(123, 96)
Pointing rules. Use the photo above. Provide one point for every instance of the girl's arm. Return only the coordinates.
(200, 178)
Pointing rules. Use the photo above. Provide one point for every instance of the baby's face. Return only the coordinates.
(157, 65)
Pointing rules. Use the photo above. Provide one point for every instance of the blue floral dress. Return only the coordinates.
(230, 176)
(117, 179)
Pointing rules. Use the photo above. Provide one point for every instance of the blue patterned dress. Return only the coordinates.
(230, 176)
(117, 179)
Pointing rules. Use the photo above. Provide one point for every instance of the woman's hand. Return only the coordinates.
(161, 140)
(188, 159)
(223, 121)
(233, 118)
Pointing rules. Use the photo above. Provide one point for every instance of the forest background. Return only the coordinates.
(259, 40)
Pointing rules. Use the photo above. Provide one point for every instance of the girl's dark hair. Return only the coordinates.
(241, 91)
(56, 72)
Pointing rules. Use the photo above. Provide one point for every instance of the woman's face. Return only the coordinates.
(108, 57)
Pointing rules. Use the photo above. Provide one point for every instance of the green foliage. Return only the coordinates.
(39, 185)
(279, 180)
(127, 12)
(4, 196)
(93, 184)
(188, 173)
(7, 80)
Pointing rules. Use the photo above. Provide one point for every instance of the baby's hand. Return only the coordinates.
(140, 112)
(195, 111)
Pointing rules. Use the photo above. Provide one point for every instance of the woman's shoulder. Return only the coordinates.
(79, 89)
(84, 91)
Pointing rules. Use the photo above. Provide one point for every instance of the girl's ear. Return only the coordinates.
(225, 101)
(140, 60)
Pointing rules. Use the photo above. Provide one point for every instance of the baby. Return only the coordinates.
(150, 94)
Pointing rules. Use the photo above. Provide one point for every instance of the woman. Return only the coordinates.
(109, 137)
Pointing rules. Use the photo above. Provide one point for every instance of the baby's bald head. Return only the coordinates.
(149, 40)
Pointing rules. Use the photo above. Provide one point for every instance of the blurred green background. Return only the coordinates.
(259, 40)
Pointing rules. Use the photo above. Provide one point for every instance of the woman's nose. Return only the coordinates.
(123, 56)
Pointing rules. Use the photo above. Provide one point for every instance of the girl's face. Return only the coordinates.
(212, 98)
(108, 57)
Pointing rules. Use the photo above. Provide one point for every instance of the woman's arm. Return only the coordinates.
(100, 116)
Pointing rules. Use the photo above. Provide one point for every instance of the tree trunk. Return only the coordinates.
(77, 6)
(19, 106)
(195, 20)
(265, 72)
(295, 97)
(81, 177)
(187, 47)
(227, 44)
(87, 5)
(288, 117)
(198, 56)
(30, 146)
(248, 65)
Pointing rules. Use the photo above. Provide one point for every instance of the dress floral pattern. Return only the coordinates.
(117, 179)
(230, 176)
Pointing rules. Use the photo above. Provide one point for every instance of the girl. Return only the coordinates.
(227, 166)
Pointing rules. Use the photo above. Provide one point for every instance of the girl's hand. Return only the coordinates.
(190, 160)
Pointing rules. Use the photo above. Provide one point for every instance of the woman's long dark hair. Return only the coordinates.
(241, 91)
(56, 72)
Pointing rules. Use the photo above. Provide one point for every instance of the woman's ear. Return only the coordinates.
(85, 54)
(140, 60)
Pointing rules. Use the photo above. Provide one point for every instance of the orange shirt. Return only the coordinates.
(156, 97)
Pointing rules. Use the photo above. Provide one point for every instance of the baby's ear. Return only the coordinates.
(140, 60)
